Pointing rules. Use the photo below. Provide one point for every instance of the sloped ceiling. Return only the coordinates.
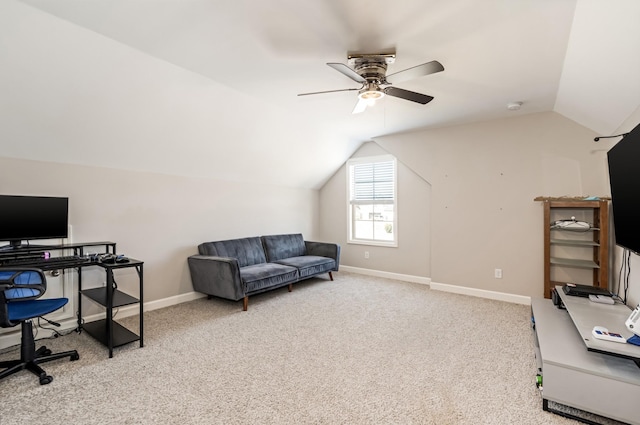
(600, 84)
(219, 79)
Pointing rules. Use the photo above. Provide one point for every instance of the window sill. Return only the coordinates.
(374, 243)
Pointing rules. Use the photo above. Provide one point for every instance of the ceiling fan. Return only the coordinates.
(370, 70)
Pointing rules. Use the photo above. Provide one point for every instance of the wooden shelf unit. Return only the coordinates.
(598, 244)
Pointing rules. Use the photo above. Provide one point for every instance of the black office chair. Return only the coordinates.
(19, 290)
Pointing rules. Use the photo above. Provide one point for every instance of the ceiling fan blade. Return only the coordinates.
(408, 95)
(340, 67)
(326, 91)
(415, 72)
(360, 106)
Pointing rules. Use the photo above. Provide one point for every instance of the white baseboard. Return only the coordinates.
(481, 293)
(388, 275)
(474, 292)
(176, 299)
(134, 309)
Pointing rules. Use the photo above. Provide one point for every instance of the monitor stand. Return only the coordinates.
(18, 246)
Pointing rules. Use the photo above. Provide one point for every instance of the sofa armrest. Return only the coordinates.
(217, 276)
(324, 249)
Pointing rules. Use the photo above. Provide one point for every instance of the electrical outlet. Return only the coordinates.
(366, 254)
(498, 273)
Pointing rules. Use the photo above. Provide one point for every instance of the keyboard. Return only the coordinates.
(46, 263)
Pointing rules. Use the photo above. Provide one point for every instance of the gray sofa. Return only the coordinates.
(238, 268)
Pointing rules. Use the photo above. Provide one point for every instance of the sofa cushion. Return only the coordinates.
(248, 251)
(310, 265)
(278, 247)
(260, 277)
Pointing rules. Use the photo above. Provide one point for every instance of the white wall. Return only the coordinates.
(160, 219)
(71, 95)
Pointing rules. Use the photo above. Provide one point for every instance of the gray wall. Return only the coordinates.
(73, 96)
(158, 218)
(411, 257)
(481, 213)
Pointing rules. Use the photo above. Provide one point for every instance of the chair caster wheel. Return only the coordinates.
(75, 357)
(45, 379)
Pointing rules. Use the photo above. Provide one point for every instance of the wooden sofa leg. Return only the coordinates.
(245, 303)
(290, 287)
(330, 276)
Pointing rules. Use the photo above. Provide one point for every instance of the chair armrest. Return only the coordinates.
(217, 276)
(324, 249)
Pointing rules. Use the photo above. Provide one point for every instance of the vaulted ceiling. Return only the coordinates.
(577, 57)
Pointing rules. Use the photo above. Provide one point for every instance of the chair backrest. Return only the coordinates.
(19, 284)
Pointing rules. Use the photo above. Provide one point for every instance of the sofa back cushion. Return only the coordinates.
(278, 247)
(248, 251)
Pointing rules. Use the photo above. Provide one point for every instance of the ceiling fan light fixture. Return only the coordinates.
(370, 70)
(370, 96)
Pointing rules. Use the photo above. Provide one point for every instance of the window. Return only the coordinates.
(372, 200)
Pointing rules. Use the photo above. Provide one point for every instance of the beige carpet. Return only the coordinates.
(359, 350)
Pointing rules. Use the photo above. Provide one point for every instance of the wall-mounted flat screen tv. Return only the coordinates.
(24, 218)
(624, 177)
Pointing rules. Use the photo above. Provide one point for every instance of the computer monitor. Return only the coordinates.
(24, 218)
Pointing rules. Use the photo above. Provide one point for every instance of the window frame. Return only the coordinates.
(351, 239)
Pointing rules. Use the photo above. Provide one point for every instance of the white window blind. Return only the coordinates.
(373, 182)
(372, 200)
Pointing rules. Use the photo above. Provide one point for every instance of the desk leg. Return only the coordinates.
(141, 277)
(79, 299)
(109, 318)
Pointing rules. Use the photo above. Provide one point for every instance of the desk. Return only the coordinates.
(106, 331)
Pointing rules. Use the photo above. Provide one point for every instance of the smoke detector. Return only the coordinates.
(514, 106)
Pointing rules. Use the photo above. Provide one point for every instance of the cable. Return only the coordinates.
(628, 274)
(617, 292)
(624, 275)
(116, 310)
(81, 321)
(609, 137)
(56, 334)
